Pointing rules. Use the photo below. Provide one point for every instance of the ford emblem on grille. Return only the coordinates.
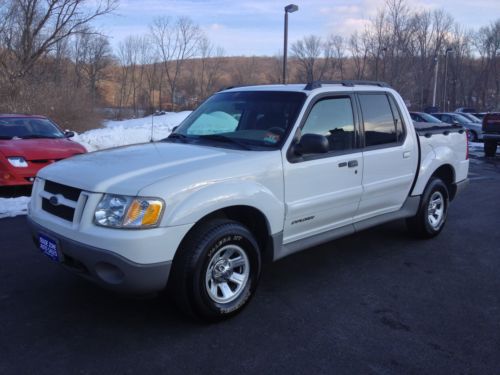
(54, 200)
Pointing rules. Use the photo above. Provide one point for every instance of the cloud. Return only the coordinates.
(256, 27)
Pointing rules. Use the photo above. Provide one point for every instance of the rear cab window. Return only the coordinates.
(382, 120)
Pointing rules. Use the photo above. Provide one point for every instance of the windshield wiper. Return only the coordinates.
(5, 137)
(226, 139)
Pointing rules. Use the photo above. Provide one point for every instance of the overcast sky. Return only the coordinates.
(255, 27)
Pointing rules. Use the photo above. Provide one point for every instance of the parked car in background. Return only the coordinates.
(475, 132)
(465, 110)
(424, 117)
(472, 118)
(29, 143)
(480, 115)
(491, 131)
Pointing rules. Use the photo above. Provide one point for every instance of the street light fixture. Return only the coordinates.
(448, 50)
(288, 9)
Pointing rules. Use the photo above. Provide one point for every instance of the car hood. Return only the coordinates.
(41, 148)
(126, 170)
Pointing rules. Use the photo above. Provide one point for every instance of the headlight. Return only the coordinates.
(18, 161)
(119, 211)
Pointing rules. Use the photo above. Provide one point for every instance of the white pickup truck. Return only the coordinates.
(254, 174)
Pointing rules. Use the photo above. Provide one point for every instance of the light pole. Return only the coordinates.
(448, 50)
(288, 9)
(436, 60)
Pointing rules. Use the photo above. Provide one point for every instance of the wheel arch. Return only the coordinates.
(446, 173)
(251, 217)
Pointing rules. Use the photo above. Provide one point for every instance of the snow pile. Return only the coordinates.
(10, 207)
(126, 132)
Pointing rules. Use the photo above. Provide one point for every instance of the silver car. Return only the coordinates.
(475, 131)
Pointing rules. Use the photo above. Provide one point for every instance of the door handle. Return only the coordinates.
(352, 163)
(406, 154)
(343, 164)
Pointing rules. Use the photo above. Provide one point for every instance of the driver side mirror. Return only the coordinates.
(312, 144)
(69, 134)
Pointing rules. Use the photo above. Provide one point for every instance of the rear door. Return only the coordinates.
(322, 191)
(390, 155)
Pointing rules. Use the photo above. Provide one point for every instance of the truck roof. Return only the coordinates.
(317, 86)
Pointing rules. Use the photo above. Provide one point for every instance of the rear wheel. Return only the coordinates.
(431, 216)
(216, 270)
(490, 148)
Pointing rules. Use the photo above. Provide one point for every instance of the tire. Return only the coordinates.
(431, 216)
(490, 148)
(216, 270)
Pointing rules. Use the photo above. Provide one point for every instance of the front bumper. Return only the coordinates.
(106, 268)
(10, 176)
(491, 137)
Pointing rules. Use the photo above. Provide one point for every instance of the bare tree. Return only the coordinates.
(92, 56)
(245, 71)
(336, 44)
(359, 50)
(176, 41)
(211, 61)
(35, 27)
(312, 58)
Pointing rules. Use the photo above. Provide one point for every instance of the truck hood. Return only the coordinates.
(126, 170)
(40, 148)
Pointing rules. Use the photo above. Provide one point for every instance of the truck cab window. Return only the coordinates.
(334, 119)
(380, 127)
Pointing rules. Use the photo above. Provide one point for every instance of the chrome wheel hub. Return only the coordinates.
(435, 210)
(227, 274)
(222, 270)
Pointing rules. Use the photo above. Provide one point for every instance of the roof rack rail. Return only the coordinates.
(348, 83)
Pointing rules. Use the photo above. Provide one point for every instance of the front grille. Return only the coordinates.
(64, 212)
(67, 192)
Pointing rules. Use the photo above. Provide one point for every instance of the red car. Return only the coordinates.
(29, 143)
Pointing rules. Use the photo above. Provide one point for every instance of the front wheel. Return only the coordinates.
(431, 216)
(216, 271)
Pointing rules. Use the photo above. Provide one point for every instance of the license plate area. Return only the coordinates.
(49, 247)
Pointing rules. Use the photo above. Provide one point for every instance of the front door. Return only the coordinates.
(322, 191)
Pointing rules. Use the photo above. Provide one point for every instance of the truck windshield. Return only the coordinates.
(256, 120)
(28, 127)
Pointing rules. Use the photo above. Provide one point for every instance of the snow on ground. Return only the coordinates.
(113, 134)
(10, 207)
(126, 132)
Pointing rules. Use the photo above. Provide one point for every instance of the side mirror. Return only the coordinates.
(69, 134)
(312, 144)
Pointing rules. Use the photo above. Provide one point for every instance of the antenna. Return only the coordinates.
(152, 125)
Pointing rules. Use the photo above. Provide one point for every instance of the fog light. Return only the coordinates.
(109, 273)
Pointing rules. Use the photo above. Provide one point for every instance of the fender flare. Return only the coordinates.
(226, 194)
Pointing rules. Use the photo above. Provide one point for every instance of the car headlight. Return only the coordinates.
(120, 211)
(18, 161)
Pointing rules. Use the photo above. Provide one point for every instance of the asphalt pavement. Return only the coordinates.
(378, 302)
